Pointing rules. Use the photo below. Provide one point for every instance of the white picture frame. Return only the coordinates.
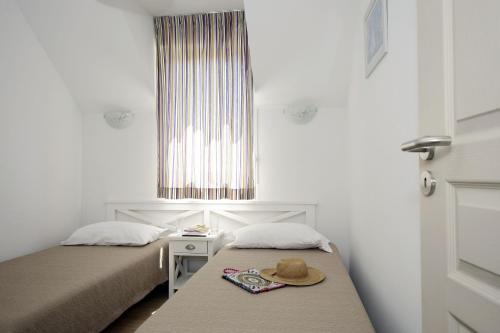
(375, 28)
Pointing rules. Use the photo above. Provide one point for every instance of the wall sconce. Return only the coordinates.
(119, 119)
(300, 114)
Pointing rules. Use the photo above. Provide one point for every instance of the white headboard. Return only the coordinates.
(228, 215)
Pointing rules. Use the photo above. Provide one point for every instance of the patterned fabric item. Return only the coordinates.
(251, 281)
(204, 107)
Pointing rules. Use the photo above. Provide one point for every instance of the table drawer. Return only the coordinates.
(199, 247)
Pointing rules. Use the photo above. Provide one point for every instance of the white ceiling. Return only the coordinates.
(301, 50)
(104, 49)
(104, 55)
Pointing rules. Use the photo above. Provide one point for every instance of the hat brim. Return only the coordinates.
(314, 276)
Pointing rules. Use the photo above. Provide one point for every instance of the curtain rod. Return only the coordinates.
(212, 12)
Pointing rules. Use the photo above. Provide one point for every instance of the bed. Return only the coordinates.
(84, 288)
(77, 288)
(207, 303)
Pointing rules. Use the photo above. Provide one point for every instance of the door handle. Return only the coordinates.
(426, 145)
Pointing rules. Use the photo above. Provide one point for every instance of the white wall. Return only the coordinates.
(308, 163)
(40, 144)
(300, 163)
(297, 163)
(117, 164)
(385, 233)
(301, 54)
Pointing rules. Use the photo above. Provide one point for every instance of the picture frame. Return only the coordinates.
(376, 38)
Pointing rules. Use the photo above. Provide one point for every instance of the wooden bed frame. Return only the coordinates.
(219, 215)
(225, 215)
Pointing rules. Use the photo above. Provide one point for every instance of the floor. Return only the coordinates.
(131, 319)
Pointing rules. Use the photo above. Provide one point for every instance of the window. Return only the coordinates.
(204, 107)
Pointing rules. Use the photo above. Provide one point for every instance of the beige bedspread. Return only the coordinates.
(207, 303)
(77, 288)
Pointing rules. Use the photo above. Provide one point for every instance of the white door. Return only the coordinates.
(459, 96)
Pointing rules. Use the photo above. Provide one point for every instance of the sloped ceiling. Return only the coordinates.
(104, 49)
(301, 50)
(104, 54)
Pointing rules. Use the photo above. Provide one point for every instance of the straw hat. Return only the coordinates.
(293, 271)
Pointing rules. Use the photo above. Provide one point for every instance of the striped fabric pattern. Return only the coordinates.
(204, 107)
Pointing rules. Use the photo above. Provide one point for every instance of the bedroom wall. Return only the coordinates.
(117, 164)
(40, 143)
(307, 163)
(297, 163)
(384, 214)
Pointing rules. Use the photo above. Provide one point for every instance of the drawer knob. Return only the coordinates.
(190, 247)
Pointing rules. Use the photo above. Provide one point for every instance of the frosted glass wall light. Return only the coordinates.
(119, 119)
(300, 114)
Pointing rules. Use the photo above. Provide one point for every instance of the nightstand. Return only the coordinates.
(180, 248)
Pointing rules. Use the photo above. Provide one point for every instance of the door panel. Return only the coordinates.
(472, 305)
(476, 30)
(478, 232)
(459, 57)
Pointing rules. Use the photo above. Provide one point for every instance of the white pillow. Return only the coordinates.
(279, 236)
(114, 233)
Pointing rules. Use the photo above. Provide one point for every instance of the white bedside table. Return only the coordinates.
(179, 249)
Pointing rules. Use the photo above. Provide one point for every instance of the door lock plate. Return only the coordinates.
(427, 183)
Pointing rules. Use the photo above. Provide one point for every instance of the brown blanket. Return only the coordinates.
(77, 288)
(207, 303)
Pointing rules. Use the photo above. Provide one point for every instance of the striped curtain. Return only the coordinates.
(204, 107)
